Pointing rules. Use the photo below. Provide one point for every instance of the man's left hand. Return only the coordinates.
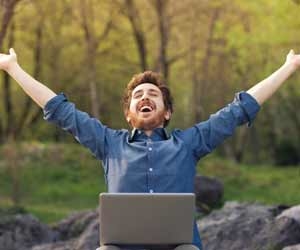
(293, 59)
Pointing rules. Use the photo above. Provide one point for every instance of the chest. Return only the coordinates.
(166, 157)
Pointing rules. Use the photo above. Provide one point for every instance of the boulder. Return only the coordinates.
(237, 226)
(62, 245)
(209, 192)
(295, 247)
(293, 213)
(248, 226)
(90, 238)
(78, 231)
(22, 232)
(74, 225)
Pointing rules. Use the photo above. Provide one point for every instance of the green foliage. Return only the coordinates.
(286, 153)
(261, 183)
(58, 179)
(213, 49)
(55, 180)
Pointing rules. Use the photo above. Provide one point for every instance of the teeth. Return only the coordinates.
(145, 108)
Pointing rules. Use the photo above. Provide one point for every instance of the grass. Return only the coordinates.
(58, 179)
(55, 180)
(263, 183)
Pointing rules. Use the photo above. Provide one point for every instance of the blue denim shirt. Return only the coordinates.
(134, 162)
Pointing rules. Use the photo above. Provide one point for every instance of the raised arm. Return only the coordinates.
(266, 88)
(36, 90)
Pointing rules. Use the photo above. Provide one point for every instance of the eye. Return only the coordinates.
(139, 95)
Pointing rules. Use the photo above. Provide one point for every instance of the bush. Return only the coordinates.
(286, 154)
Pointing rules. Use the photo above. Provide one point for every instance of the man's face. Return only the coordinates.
(147, 110)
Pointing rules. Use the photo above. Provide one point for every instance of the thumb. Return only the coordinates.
(12, 52)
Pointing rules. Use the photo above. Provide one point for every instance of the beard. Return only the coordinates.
(145, 123)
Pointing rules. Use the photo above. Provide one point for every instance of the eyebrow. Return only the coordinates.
(141, 90)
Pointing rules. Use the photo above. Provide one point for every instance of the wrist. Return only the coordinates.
(12, 68)
(291, 66)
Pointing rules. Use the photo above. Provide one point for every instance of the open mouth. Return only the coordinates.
(146, 109)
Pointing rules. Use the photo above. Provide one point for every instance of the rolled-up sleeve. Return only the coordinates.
(88, 131)
(205, 136)
(249, 105)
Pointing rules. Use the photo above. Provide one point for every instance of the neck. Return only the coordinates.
(148, 132)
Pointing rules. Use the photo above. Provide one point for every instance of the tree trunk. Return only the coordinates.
(162, 66)
(196, 101)
(92, 43)
(138, 33)
(7, 7)
(26, 112)
(8, 11)
(7, 97)
(200, 82)
(92, 80)
(204, 74)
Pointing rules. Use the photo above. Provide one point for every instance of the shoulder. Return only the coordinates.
(182, 134)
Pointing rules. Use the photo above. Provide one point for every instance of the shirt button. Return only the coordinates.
(151, 191)
(150, 169)
(150, 149)
(139, 132)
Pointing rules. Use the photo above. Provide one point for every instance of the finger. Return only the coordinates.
(292, 52)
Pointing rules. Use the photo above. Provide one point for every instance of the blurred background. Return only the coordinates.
(206, 50)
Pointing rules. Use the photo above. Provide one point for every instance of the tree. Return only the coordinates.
(93, 39)
(138, 32)
(7, 7)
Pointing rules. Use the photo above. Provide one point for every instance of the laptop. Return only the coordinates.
(146, 218)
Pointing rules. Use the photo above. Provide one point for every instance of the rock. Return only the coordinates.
(22, 232)
(78, 231)
(236, 227)
(209, 192)
(62, 245)
(74, 225)
(248, 226)
(90, 238)
(293, 213)
(283, 232)
(294, 247)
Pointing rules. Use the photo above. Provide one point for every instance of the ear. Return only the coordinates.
(128, 119)
(168, 115)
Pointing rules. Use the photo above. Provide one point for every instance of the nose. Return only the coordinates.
(145, 96)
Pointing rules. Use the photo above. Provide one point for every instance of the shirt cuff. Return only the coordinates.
(53, 104)
(248, 104)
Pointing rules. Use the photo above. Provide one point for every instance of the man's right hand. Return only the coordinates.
(7, 60)
(36, 90)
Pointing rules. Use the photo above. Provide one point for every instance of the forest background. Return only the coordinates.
(206, 50)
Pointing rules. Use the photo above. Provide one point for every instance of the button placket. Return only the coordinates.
(150, 162)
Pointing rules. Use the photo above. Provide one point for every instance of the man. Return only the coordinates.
(149, 159)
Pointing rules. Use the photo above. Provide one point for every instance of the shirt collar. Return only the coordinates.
(160, 132)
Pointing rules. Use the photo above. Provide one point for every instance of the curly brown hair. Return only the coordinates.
(148, 77)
